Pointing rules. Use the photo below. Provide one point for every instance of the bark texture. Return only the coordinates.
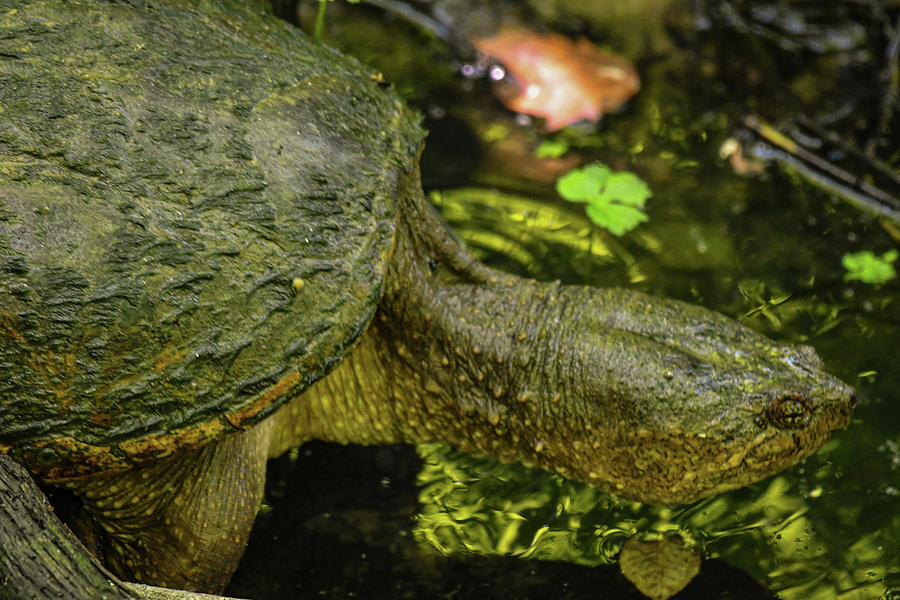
(39, 556)
(40, 559)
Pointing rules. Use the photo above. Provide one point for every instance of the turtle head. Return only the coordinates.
(667, 402)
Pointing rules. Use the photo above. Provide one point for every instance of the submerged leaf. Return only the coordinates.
(868, 268)
(659, 568)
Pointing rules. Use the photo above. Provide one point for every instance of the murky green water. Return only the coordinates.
(765, 250)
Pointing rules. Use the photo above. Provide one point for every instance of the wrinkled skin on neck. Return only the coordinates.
(653, 399)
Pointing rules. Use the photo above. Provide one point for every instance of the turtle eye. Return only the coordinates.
(789, 412)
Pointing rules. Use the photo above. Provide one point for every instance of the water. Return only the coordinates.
(765, 250)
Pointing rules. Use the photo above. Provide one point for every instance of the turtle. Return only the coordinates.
(214, 246)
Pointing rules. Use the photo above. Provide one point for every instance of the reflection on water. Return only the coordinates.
(789, 531)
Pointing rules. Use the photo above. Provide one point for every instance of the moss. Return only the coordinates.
(167, 170)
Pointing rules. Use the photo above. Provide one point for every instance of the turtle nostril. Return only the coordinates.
(853, 401)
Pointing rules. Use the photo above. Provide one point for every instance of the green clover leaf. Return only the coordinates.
(618, 219)
(584, 184)
(626, 188)
(615, 200)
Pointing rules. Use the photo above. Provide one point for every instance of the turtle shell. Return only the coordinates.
(197, 208)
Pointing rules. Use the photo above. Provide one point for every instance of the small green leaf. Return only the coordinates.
(626, 188)
(584, 184)
(551, 149)
(868, 268)
(617, 218)
(614, 200)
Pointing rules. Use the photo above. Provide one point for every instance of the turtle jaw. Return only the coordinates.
(671, 467)
(784, 444)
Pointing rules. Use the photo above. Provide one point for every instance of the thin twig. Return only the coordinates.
(891, 78)
(881, 167)
(828, 176)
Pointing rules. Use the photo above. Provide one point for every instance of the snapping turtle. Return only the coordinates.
(214, 246)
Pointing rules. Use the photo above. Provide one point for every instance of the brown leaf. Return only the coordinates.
(659, 568)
